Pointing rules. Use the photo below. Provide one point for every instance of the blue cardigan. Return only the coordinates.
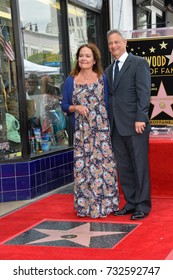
(68, 92)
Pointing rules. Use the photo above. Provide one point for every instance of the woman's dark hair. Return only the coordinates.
(97, 67)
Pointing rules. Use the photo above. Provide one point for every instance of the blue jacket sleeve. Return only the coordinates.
(67, 94)
(67, 97)
(105, 91)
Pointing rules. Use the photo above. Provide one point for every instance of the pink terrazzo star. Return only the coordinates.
(162, 102)
(80, 234)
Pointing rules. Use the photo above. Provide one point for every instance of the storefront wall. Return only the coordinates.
(38, 41)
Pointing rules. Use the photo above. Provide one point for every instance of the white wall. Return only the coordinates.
(121, 14)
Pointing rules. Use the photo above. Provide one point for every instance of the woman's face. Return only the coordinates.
(86, 58)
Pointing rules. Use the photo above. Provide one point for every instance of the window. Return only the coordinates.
(43, 75)
(84, 29)
(10, 140)
(33, 51)
(143, 19)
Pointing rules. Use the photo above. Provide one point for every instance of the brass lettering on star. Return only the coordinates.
(161, 122)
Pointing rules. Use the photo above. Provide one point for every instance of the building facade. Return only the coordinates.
(38, 43)
(129, 15)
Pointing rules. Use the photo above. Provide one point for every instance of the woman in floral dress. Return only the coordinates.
(95, 173)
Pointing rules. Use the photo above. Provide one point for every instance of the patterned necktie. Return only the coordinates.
(116, 71)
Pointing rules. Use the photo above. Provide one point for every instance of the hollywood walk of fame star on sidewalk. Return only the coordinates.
(80, 234)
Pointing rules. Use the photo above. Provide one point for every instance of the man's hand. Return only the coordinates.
(140, 127)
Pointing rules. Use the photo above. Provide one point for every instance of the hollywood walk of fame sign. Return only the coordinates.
(158, 51)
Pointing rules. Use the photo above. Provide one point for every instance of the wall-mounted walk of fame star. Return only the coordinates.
(74, 234)
(162, 102)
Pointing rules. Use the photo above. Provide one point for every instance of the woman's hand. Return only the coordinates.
(81, 109)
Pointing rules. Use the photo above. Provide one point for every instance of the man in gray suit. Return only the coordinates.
(129, 82)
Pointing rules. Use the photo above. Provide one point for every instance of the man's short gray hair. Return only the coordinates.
(113, 31)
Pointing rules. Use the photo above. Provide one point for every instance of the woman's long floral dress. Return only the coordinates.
(95, 172)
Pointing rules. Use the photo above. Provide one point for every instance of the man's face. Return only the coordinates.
(117, 45)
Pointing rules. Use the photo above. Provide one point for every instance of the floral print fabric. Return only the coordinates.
(95, 172)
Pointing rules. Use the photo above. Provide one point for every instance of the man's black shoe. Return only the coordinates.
(123, 211)
(137, 215)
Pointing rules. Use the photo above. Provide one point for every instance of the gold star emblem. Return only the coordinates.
(163, 45)
(152, 50)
